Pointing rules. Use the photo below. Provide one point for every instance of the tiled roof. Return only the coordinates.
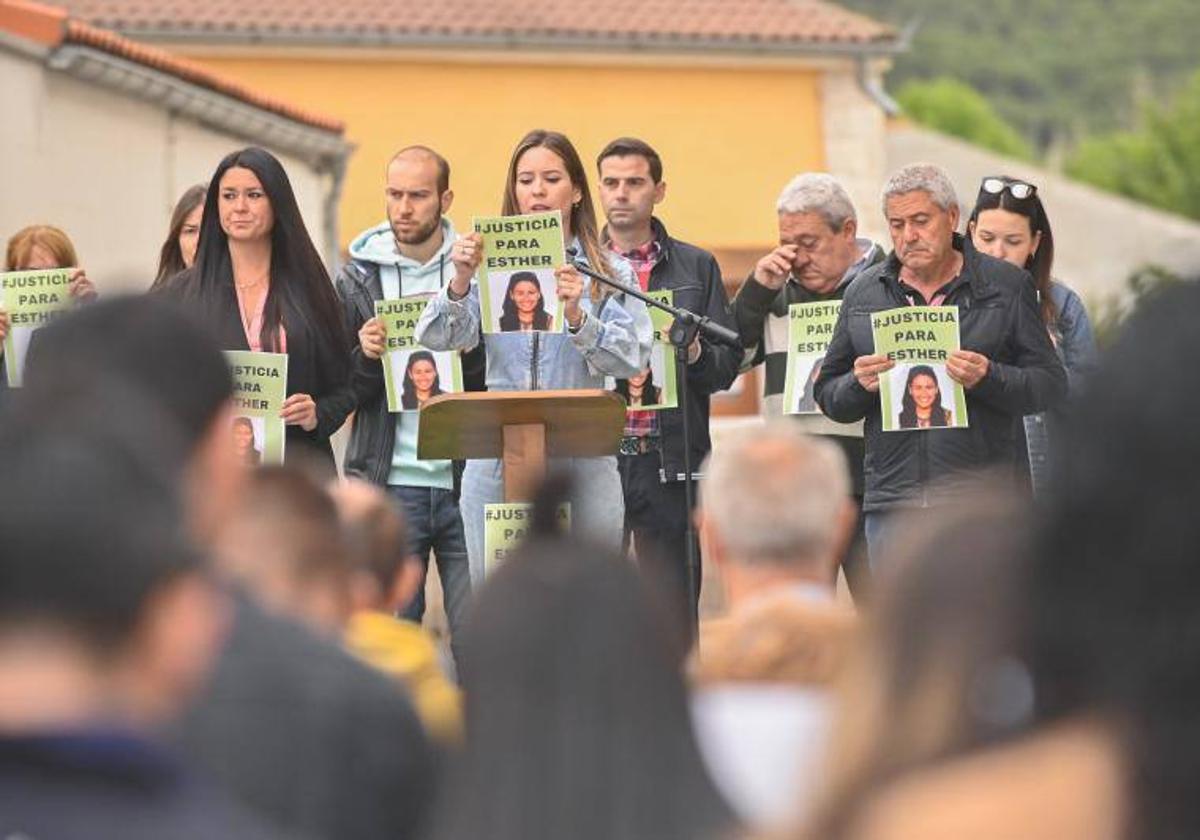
(731, 24)
(52, 28)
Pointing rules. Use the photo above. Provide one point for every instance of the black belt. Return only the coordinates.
(639, 445)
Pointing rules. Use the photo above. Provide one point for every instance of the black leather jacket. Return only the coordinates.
(373, 435)
(998, 317)
(694, 276)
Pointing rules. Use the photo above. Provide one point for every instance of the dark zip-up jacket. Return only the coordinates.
(762, 323)
(694, 276)
(998, 317)
(373, 436)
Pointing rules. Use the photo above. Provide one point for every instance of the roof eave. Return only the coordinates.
(887, 46)
(319, 147)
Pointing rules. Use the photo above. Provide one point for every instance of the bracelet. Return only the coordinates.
(575, 330)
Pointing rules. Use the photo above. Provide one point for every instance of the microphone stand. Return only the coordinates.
(684, 328)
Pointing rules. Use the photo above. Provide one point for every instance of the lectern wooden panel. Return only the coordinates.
(523, 428)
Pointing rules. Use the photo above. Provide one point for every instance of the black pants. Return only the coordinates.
(854, 561)
(656, 517)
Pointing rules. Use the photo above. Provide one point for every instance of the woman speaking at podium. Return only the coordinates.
(606, 334)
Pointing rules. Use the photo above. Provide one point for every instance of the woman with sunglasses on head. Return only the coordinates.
(1010, 223)
(606, 333)
(259, 284)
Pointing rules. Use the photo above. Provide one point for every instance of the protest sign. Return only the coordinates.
(505, 526)
(810, 326)
(918, 393)
(31, 299)
(259, 389)
(517, 289)
(655, 387)
(412, 374)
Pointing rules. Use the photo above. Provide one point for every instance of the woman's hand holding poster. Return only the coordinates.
(259, 389)
(918, 393)
(810, 326)
(517, 288)
(655, 387)
(412, 374)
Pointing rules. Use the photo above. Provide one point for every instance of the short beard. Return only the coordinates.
(420, 235)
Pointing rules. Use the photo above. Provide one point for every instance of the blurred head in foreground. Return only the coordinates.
(1114, 592)
(105, 619)
(577, 719)
(940, 669)
(173, 364)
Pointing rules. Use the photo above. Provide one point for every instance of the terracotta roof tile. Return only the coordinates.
(780, 24)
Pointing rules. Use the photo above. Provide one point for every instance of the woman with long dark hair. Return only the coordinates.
(1010, 223)
(524, 307)
(259, 284)
(576, 711)
(606, 333)
(921, 404)
(421, 380)
(639, 389)
(183, 235)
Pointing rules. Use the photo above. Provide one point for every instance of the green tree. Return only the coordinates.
(1057, 70)
(955, 108)
(1159, 164)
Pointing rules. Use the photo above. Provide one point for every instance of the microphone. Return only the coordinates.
(711, 329)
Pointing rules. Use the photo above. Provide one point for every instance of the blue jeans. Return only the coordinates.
(434, 523)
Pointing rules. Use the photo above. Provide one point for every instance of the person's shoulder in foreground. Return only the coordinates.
(287, 714)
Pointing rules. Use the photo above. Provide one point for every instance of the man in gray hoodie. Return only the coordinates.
(407, 255)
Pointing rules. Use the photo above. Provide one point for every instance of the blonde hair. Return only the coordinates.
(20, 247)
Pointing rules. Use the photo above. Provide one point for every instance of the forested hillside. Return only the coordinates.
(1057, 70)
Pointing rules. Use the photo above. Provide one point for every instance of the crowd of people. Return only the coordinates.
(194, 648)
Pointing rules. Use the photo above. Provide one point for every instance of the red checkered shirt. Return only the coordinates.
(643, 259)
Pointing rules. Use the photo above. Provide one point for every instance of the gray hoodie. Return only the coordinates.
(399, 276)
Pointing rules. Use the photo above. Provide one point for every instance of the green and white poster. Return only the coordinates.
(655, 387)
(810, 326)
(411, 373)
(918, 393)
(31, 299)
(517, 289)
(259, 389)
(504, 528)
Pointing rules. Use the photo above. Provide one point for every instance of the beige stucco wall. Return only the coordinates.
(107, 168)
(855, 152)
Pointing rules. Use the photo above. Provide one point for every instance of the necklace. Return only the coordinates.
(252, 284)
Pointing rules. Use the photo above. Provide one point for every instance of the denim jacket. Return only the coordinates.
(614, 340)
(1076, 347)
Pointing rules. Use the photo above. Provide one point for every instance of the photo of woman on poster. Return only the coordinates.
(525, 305)
(921, 404)
(639, 390)
(421, 380)
(807, 403)
(243, 442)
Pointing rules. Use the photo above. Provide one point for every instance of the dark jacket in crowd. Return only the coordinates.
(306, 736)
(762, 322)
(998, 317)
(373, 437)
(109, 785)
(694, 276)
(315, 366)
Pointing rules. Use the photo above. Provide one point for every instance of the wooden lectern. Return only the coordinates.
(522, 428)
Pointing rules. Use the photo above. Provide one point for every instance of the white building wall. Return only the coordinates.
(107, 169)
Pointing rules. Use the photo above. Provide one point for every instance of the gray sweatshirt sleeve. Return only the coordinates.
(617, 341)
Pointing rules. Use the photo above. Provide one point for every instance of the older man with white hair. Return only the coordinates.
(818, 256)
(774, 515)
(1006, 364)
